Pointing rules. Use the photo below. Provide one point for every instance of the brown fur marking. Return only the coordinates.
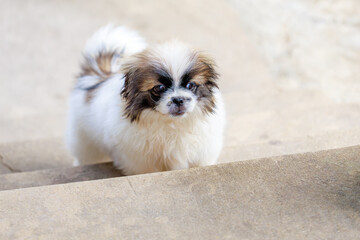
(103, 62)
(203, 73)
(140, 76)
(100, 67)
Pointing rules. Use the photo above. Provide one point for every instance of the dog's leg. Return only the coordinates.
(178, 166)
(85, 150)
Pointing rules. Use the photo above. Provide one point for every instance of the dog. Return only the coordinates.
(145, 108)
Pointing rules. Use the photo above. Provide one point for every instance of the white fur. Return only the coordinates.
(120, 40)
(177, 55)
(110, 38)
(98, 131)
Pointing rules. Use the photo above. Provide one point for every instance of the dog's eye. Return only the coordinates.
(159, 88)
(191, 86)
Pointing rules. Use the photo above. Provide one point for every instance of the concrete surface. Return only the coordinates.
(40, 52)
(308, 43)
(50, 153)
(304, 196)
(58, 176)
(33, 155)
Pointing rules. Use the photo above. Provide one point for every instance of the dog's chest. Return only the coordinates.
(163, 142)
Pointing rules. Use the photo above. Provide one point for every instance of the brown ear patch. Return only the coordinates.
(202, 71)
(148, 83)
(140, 73)
(140, 77)
(99, 67)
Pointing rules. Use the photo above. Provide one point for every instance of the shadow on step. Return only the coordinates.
(58, 176)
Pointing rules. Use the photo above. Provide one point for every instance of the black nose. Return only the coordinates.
(178, 100)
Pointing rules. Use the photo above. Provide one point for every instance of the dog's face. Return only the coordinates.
(171, 80)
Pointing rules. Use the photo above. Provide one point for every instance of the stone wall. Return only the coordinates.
(308, 43)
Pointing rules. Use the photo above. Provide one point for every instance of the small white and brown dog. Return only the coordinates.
(145, 108)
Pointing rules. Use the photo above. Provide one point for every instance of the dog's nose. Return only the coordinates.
(178, 100)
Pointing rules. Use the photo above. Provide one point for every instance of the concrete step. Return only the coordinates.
(303, 196)
(273, 147)
(58, 176)
(34, 127)
(283, 119)
(51, 153)
(33, 155)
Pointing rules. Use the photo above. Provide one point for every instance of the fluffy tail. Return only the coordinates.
(103, 53)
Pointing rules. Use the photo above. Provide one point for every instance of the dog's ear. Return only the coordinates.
(130, 71)
(136, 71)
(206, 67)
(203, 72)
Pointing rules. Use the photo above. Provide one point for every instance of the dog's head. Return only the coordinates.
(170, 79)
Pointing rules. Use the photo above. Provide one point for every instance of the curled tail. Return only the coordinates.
(103, 53)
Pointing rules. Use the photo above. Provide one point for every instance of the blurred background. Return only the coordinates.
(290, 70)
